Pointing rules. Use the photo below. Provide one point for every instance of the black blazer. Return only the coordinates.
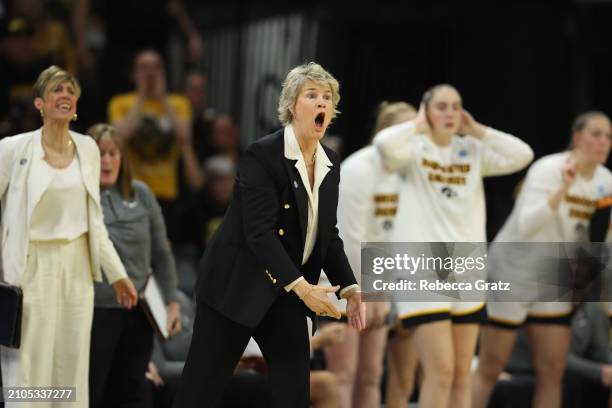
(258, 248)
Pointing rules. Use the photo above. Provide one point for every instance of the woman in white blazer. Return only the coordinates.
(54, 242)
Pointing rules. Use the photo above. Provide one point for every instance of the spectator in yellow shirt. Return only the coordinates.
(155, 126)
(51, 37)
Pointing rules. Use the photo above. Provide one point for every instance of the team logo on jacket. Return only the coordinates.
(448, 192)
(601, 190)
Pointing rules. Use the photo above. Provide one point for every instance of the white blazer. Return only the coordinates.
(23, 180)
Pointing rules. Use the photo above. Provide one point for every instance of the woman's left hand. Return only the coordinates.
(125, 293)
(356, 311)
(469, 126)
(174, 318)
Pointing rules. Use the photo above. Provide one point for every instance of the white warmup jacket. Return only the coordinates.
(444, 185)
(23, 180)
(367, 204)
(442, 193)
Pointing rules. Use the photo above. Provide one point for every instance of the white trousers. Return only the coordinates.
(56, 328)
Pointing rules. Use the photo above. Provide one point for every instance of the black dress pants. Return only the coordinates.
(121, 347)
(218, 344)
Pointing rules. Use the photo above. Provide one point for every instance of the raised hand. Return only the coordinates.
(568, 172)
(421, 123)
(196, 47)
(568, 176)
(469, 126)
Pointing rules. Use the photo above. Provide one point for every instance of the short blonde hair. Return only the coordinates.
(50, 78)
(293, 84)
(388, 111)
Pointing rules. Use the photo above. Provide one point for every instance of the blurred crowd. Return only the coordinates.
(123, 71)
(184, 150)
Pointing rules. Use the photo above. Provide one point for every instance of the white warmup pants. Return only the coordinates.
(56, 328)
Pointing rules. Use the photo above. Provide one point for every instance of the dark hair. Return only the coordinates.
(429, 93)
(137, 55)
(581, 120)
(199, 72)
(124, 179)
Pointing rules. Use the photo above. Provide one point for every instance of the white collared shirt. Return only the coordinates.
(322, 164)
(293, 152)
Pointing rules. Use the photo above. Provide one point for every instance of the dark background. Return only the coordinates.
(525, 67)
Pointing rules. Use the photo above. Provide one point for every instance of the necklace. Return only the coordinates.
(45, 144)
(314, 158)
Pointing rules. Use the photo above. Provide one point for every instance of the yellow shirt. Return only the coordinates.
(158, 170)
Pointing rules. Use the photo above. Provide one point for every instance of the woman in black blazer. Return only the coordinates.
(259, 274)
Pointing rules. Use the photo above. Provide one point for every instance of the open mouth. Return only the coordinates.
(64, 107)
(319, 120)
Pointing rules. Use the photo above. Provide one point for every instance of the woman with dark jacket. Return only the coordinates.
(259, 274)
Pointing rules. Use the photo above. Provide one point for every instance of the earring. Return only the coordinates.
(42, 115)
(75, 117)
